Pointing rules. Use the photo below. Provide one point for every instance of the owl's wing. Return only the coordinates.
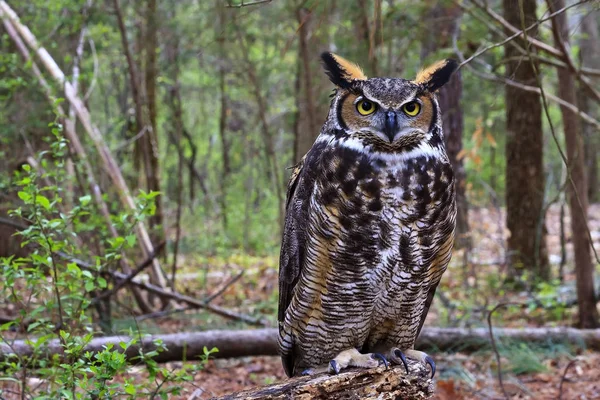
(292, 245)
(441, 260)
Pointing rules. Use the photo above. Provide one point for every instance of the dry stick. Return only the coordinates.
(564, 376)
(88, 93)
(242, 4)
(109, 163)
(207, 300)
(147, 262)
(224, 287)
(224, 312)
(494, 348)
(78, 148)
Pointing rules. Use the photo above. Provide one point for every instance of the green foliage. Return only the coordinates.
(54, 294)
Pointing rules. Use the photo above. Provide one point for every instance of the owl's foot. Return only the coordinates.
(397, 356)
(353, 358)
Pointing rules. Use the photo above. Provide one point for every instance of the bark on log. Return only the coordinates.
(377, 383)
(262, 342)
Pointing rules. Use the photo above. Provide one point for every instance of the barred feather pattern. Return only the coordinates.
(367, 238)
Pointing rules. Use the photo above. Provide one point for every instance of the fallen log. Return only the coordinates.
(376, 383)
(262, 342)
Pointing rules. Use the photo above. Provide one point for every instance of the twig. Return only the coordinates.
(527, 88)
(516, 34)
(539, 44)
(489, 320)
(564, 376)
(224, 287)
(242, 4)
(145, 264)
(165, 313)
(224, 312)
(88, 93)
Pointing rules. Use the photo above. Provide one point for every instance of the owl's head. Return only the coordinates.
(390, 114)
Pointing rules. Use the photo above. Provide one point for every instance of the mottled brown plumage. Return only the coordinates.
(370, 218)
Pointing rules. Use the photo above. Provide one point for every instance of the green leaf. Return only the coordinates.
(89, 286)
(43, 201)
(130, 240)
(130, 389)
(85, 200)
(24, 196)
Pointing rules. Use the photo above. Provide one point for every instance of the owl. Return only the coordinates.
(369, 226)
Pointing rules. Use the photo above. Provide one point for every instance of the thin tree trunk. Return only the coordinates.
(174, 101)
(226, 169)
(312, 85)
(445, 19)
(277, 182)
(307, 127)
(590, 58)
(577, 188)
(524, 157)
(151, 137)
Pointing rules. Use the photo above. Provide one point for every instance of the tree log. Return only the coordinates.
(262, 342)
(376, 383)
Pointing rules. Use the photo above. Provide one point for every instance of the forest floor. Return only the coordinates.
(469, 290)
(472, 286)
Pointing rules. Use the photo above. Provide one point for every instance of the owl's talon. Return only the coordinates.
(398, 355)
(334, 367)
(307, 372)
(380, 357)
(431, 363)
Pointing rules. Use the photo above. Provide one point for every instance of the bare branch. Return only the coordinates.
(528, 88)
(242, 4)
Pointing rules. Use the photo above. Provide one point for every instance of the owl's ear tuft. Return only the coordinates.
(340, 71)
(436, 75)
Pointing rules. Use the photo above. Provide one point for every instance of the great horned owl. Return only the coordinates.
(369, 228)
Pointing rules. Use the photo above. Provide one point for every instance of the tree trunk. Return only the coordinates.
(151, 156)
(524, 157)
(577, 187)
(226, 169)
(445, 18)
(311, 83)
(263, 342)
(590, 58)
(269, 140)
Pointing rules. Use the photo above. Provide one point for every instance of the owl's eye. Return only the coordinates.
(411, 109)
(366, 107)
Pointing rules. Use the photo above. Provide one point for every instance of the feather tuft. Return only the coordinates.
(340, 71)
(436, 75)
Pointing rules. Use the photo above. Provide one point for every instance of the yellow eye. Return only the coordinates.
(366, 107)
(411, 109)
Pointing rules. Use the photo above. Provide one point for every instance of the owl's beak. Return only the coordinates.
(391, 125)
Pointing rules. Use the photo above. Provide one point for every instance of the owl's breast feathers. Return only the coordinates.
(366, 240)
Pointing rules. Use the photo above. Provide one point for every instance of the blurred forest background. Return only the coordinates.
(146, 146)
